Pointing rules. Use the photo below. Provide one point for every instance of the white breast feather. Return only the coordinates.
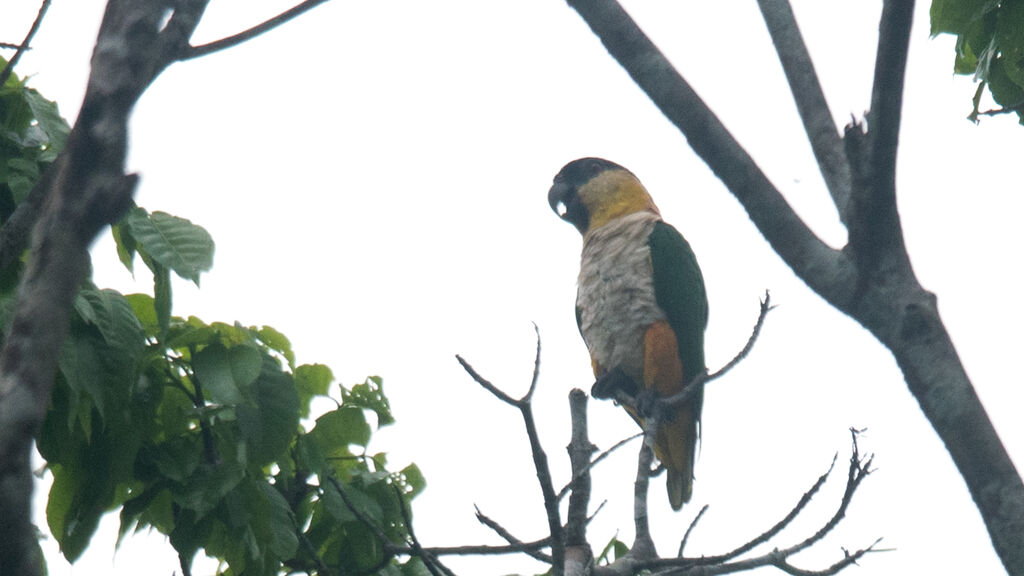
(616, 292)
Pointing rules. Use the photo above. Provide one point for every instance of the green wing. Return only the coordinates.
(679, 291)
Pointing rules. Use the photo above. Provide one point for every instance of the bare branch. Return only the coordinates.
(434, 566)
(21, 48)
(887, 91)
(810, 100)
(689, 530)
(781, 524)
(875, 233)
(486, 383)
(530, 549)
(693, 387)
(579, 557)
(580, 450)
(540, 458)
(236, 39)
(565, 489)
(643, 544)
(858, 470)
(727, 563)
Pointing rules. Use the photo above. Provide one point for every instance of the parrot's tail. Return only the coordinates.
(680, 487)
(677, 449)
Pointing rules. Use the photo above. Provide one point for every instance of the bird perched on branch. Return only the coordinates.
(640, 305)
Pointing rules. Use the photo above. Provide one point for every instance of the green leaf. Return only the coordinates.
(270, 423)
(311, 380)
(49, 118)
(1009, 35)
(414, 479)
(82, 367)
(277, 341)
(955, 16)
(283, 541)
(212, 367)
(110, 312)
(339, 428)
(173, 242)
(144, 308)
(125, 243)
(370, 395)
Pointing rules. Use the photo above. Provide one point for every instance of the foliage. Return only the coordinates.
(989, 45)
(202, 431)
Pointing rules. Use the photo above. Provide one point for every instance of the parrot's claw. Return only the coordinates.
(612, 381)
(645, 402)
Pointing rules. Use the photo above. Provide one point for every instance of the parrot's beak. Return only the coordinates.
(565, 201)
(557, 198)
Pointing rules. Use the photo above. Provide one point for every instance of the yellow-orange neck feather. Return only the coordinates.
(612, 194)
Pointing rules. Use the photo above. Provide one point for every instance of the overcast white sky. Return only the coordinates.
(375, 177)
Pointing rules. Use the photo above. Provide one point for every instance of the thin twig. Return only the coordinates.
(434, 566)
(21, 48)
(858, 470)
(486, 383)
(540, 458)
(236, 39)
(781, 524)
(536, 368)
(694, 387)
(565, 489)
(726, 563)
(530, 549)
(689, 529)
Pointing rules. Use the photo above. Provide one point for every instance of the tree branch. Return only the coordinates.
(565, 489)
(540, 458)
(810, 100)
(21, 48)
(530, 549)
(236, 39)
(579, 557)
(875, 233)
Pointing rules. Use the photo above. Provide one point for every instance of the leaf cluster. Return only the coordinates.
(209, 433)
(989, 45)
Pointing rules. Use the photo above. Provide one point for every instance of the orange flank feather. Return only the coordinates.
(676, 443)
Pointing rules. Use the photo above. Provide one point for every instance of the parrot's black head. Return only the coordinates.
(564, 196)
(591, 191)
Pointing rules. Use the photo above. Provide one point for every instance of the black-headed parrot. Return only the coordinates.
(640, 305)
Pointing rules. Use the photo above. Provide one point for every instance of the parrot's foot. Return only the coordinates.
(646, 402)
(612, 381)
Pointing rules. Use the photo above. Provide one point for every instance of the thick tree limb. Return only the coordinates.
(810, 100)
(871, 279)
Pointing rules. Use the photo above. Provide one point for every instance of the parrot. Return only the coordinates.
(641, 304)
